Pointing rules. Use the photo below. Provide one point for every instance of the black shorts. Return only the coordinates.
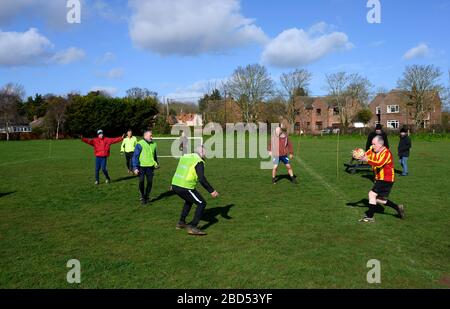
(382, 188)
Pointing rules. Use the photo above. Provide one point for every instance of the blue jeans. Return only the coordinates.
(404, 164)
(100, 163)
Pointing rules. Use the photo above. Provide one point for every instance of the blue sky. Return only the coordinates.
(175, 47)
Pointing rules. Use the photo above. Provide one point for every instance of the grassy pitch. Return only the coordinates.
(259, 235)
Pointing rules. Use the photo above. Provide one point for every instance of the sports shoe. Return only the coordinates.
(367, 220)
(107, 180)
(192, 230)
(96, 183)
(181, 225)
(294, 180)
(274, 180)
(401, 211)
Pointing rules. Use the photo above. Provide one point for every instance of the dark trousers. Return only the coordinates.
(190, 197)
(100, 163)
(145, 172)
(128, 158)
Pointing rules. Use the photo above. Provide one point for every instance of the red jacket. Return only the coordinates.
(102, 145)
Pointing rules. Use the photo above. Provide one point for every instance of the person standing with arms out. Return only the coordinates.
(102, 146)
(128, 145)
(382, 162)
(145, 160)
(404, 146)
(191, 170)
(280, 148)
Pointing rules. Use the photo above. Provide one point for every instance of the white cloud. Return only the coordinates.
(115, 73)
(419, 51)
(193, 92)
(112, 91)
(52, 12)
(107, 57)
(69, 55)
(296, 47)
(23, 48)
(191, 27)
(32, 48)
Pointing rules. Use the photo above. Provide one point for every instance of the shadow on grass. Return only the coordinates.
(364, 203)
(281, 177)
(210, 215)
(2, 194)
(125, 178)
(163, 196)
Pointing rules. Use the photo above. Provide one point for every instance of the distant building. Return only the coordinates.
(394, 110)
(16, 129)
(315, 114)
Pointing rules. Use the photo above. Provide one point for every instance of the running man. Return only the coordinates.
(282, 152)
(128, 145)
(102, 147)
(145, 160)
(191, 170)
(382, 162)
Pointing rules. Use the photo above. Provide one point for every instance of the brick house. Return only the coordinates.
(394, 111)
(314, 114)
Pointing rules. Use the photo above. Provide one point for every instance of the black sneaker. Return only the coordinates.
(294, 180)
(274, 180)
(192, 230)
(181, 225)
(401, 211)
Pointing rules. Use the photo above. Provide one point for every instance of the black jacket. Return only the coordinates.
(403, 146)
(372, 135)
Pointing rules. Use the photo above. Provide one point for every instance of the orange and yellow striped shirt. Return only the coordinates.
(382, 164)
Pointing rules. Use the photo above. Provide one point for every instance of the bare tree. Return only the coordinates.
(421, 83)
(337, 84)
(56, 112)
(359, 88)
(294, 83)
(140, 93)
(250, 85)
(10, 95)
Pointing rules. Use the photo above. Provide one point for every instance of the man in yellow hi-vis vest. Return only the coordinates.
(145, 161)
(190, 171)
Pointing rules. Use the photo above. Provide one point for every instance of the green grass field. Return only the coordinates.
(259, 235)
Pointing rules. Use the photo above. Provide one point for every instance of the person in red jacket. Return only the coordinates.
(102, 147)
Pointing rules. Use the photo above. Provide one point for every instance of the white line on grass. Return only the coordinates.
(313, 173)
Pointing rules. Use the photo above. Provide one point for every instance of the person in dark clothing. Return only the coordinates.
(145, 160)
(190, 171)
(404, 146)
(378, 131)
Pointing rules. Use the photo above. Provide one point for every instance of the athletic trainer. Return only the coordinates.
(191, 170)
(382, 162)
(102, 146)
(145, 160)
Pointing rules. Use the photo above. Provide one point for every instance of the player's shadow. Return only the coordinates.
(163, 196)
(125, 178)
(2, 194)
(281, 177)
(364, 203)
(210, 215)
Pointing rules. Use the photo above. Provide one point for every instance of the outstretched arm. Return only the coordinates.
(87, 141)
(115, 140)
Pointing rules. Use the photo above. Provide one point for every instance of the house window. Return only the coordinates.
(297, 126)
(297, 112)
(391, 109)
(319, 125)
(378, 110)
(308, 125)
(336, 111)
(318, 112)
(393, 124)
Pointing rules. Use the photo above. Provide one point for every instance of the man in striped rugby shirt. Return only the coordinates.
(381, 160)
